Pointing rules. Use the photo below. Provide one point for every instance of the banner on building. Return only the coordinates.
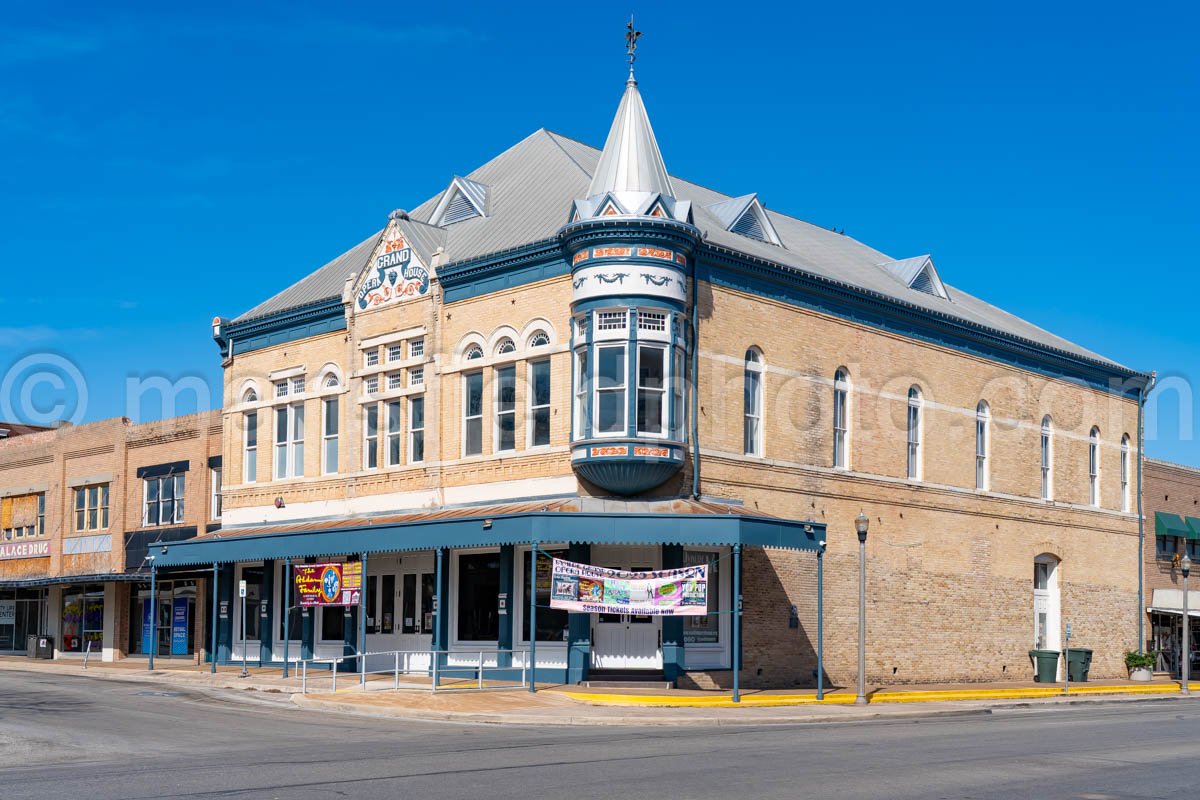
(329, 584)
(664, 593)
(179, 627)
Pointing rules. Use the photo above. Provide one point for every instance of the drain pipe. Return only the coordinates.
(695, 382)
(1141, 426)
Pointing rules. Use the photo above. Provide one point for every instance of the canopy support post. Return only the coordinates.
(533, 552)
(212, 655)
(821, 623)
(737, 620)
(153, 616)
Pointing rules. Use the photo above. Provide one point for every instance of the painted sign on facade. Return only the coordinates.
(329, 584)
(10, 550)
(599, 590)
(396, 274)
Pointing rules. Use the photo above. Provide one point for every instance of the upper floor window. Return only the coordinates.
(582, 383)
(610, 389)
(506, 408)
(841, 422)
(395, 434)
(651, 389)
(472, 413)
(416, 429)
(1125, 473)
(23, 515)
(371, 357)
(163, 501)
(214, 492)
(250, 396)
(539, 403)
(416, 376)
(752, 403)
(91, 507)
(330, 426)
(371, 436)
(250, 447)
(1047, 458)
(506, 346)
(282, 388)
(1094, 467)
(289, 441)
(474, 352)
(416, 348)
(331, 381)
(982, 420)
(395, 352)
(539, 339)
(915, 404)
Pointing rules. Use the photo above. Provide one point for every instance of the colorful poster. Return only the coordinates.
(329, 584)
(179, 626)
(147, 626)
(664, 593)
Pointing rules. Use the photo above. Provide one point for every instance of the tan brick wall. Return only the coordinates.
(1172, 489)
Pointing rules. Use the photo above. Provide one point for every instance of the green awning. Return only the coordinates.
(1174, 525)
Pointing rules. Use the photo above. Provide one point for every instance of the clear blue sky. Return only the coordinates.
(162, 165)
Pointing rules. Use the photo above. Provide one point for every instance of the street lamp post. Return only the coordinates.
(861, 522)
(1185, 566)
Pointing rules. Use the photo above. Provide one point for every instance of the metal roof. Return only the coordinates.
(531, 187)
(631, 161)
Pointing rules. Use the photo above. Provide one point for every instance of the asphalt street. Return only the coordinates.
(67, 736)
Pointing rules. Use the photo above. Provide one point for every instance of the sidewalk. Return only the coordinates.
(569, 705)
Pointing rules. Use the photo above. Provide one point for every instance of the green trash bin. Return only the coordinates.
(1045, 665)
(1079, 661)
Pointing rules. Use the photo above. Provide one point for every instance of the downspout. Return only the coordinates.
(1141, 611)
(695, 383)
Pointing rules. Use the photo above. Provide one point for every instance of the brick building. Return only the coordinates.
(572, 351)
(82, 509)
(1171, 503)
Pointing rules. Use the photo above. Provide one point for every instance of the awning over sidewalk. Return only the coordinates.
(70, 580)
(1170, 601)
(574, 520)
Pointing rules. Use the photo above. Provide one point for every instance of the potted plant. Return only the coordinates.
(1141, 665)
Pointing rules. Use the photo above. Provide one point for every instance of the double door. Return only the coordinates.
(627, 641)
(400, 613)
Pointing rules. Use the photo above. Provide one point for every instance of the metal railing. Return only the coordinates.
(435, 664)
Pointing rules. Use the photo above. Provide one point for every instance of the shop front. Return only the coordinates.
(22, 614)
(168, 625)
(477, 586)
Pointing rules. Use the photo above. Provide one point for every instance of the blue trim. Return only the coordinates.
(322, 316)
(504, 270)
(519, 528)
(765, 279)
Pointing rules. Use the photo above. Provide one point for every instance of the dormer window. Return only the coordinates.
(746, 216)
(463, 199)
(918, 274)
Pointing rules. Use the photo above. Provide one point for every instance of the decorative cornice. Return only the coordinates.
(460, 272)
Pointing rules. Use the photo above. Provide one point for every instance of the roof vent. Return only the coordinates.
(747, 217)
(463, 199)
(918, 274)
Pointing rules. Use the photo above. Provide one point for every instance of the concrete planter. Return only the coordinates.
(1140, 674)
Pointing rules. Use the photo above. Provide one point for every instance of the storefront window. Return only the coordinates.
(478, 588)
(288, 595)
(21, 615)
(174, 617)
(551, 622)
(706, 629)
(83, 618)
(253, 576)
(333, 623)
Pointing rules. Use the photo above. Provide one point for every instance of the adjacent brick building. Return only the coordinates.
(1171, 504)
(82, 509)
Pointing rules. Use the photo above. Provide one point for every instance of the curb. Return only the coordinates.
(383, 712)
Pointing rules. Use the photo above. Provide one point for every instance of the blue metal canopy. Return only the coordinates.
(485, 530)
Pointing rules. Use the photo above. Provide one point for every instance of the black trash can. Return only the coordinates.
(39, 647)
(1045, 665)
(1079, 662)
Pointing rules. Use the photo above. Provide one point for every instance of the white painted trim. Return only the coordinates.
(288, 372)
(391, 338)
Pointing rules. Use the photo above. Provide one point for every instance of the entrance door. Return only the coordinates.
(400, 612)
(627, 641)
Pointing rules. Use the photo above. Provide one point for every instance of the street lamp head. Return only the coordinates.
(860, 524)
(1185, 565)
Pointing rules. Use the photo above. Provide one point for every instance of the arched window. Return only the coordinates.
(841, 419)
(1094, 467)
(914, 433)
(539, 339)
(1125, 472)
(982, 420)
(250, 396)
(473, 352)
(753, 403)
(506, 346)
(1047, 458)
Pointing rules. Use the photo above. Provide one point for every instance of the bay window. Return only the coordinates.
(582, 384)
(610, 389)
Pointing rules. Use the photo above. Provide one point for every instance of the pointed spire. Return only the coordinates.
(631, 161)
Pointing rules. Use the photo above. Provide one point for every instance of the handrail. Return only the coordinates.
(434, 668)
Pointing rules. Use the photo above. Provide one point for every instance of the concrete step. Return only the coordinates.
(627, 684)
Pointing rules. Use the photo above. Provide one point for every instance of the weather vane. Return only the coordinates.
(631, 37)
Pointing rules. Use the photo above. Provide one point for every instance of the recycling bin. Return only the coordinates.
(39, 647)
(1045, 665)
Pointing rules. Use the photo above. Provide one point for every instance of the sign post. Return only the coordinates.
(242, 595)
(1067, 663)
